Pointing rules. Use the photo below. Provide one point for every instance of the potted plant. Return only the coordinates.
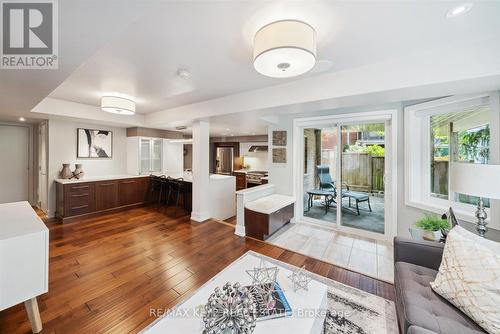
(431, 226)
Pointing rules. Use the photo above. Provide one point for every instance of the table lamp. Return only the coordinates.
(478, 180)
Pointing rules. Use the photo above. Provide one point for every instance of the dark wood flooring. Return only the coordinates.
(106, 273)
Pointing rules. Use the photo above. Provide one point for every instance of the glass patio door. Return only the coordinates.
(361, 191)
(344, 169)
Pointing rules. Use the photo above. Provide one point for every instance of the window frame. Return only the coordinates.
(418, 154)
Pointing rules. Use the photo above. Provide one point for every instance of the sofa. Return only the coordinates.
(419, 309)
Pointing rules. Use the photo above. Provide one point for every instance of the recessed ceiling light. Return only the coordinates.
(459, 10)
(118, 105)
(21, 119)
(228, 129)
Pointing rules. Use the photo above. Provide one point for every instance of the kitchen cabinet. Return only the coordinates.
(106, 195)
(241, 180)
(81, 198)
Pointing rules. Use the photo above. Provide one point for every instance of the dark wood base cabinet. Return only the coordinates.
(261, 226)
(89, 198)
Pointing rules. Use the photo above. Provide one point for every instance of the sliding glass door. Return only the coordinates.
(344, 172)
(362, 176)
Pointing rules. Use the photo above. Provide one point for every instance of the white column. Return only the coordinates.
(201, 177)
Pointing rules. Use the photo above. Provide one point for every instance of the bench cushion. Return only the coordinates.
(270, 204)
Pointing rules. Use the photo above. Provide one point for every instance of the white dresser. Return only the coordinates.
(24, 259)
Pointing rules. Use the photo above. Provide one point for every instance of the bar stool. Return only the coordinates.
(157, 184)
(176, 188)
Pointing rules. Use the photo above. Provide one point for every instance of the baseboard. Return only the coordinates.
(240, 230)
(200, 217)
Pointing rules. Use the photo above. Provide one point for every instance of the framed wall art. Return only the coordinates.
(279, 138)
(279, 155)
(94, 144)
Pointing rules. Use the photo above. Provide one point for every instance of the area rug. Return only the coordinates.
(350, 310)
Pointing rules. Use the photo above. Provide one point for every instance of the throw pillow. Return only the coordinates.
(469, 278)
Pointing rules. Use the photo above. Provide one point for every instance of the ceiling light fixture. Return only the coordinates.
(118, 105)
(459, 10)
(21, 119)
(284, 49)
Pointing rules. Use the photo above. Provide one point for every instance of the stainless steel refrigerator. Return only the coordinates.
(224, 160)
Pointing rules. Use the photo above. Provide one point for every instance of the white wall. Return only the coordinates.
(62, 149)
(281, 175)
(173, 157)
(256, 160)
(15, 167)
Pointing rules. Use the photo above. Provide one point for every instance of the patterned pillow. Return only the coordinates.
(469, 277)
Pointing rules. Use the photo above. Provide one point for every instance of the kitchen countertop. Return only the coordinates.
(270, 204)
(188, 177)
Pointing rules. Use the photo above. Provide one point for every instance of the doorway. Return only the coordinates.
(344, 167)
(15, 175)
(345, 171)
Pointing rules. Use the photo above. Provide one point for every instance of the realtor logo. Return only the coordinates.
(29, 34)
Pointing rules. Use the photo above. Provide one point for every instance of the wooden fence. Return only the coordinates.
(362, 172)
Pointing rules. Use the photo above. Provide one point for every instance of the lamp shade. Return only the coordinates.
(284, 49)
(118, 105)
(475, 179)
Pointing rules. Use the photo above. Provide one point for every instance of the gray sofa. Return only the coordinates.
(419, 309)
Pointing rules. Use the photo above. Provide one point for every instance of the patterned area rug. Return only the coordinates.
(350, 310)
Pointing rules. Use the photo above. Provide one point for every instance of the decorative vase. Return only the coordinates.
(78, 173)
(66, 172)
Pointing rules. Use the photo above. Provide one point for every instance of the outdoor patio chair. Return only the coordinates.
(325, 180)
(327, 184)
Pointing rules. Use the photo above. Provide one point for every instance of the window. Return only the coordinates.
(151, 150)
(459, 137)
(454, 129)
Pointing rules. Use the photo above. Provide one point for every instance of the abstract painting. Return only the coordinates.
(94, 144)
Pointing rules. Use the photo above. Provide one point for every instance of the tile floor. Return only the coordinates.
(366, 256)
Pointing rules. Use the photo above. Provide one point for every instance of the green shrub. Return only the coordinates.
(373, 150)
(432, 223)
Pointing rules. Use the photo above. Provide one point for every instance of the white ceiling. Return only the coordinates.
(84, 27)
(213, 40)
(370, 52)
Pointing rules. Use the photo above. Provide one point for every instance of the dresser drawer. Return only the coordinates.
(79, 199)
(79, 188)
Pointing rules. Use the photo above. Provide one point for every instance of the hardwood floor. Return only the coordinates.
(106, 273)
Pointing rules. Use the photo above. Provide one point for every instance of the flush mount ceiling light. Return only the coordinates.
(459, 10)
(284, 49)
(118, 105)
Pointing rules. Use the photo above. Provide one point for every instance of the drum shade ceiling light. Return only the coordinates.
(118, 105)
(284, 49)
